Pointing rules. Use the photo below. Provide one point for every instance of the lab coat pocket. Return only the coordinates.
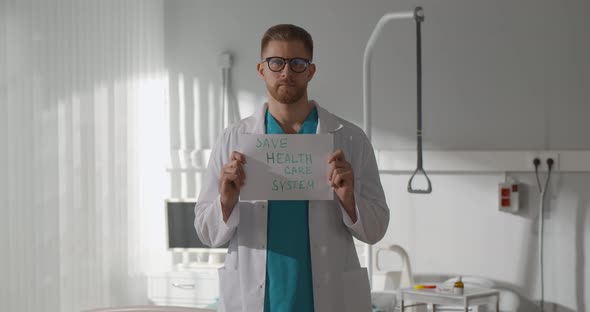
(356, 291)
(229, 290)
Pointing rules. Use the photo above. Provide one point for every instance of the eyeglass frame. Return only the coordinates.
(287, 60)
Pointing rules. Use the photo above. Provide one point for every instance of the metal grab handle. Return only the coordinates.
(428, 190)
(184, 286)
(419, 18)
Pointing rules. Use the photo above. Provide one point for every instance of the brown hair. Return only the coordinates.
(287, 32)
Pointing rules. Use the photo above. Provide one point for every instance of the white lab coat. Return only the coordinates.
(339, 282)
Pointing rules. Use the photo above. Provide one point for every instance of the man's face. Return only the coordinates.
(286, 86)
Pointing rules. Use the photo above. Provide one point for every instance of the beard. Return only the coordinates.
(287, 94)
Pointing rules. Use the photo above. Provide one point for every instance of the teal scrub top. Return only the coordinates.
(289, 285)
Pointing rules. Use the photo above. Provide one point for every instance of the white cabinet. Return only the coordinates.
(196, 288)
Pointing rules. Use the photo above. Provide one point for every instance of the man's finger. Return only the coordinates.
(332, 184)
(337, 155)
(242, 175)
(239, 172)
(341, 178)
(346, 177)
(337, 182)
(332, 169)
(231, 170)
(332, 172)
(340, 164)
(337, 170)
(229, 177)
(232, 164)
(238, 156)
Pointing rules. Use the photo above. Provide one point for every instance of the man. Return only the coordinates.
(287, 256)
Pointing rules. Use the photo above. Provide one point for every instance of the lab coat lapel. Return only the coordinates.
(327, 123)
(257, 126)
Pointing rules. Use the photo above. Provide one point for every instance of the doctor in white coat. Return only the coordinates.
(359, 209)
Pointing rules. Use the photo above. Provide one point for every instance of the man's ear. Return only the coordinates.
(260, 70)
(311, 71)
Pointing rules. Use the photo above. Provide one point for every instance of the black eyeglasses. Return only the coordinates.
(277, 63)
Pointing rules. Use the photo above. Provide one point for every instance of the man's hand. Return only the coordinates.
(341, 179)
(231, 179)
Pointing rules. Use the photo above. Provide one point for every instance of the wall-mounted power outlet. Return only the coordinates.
(543, 156)
(555, 182)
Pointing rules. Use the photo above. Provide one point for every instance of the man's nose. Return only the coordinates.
(286, 70)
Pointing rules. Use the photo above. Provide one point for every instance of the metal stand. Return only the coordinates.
(472, 297)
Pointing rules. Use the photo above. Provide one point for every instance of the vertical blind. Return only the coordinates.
(80, 82)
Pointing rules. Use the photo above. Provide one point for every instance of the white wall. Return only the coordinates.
(498, 75)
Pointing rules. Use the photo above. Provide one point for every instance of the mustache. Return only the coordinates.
(285, 83)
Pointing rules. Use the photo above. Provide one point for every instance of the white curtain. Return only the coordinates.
(82, 118)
